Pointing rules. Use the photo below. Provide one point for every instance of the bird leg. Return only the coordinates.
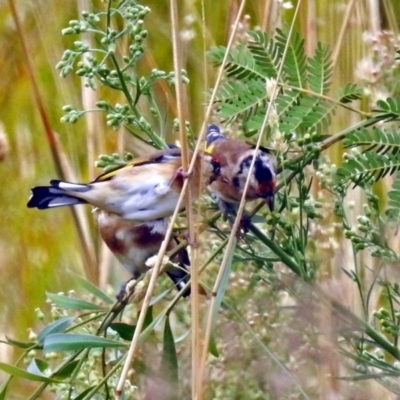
(180, 173)
(185, 236)
(228, 211)
(126, 291)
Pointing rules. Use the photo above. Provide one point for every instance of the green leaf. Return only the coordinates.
(349, 93)
(85, 392)
(295, 62)
(76, 342)
(20, 345)
(319, 68)
(394, 200)
(55, 327)
(3, 390)
(66, 371)
(125, 331)
(223, 285)
(388, 109)
(20, 373)
(93, 289)
(169, 361)
(366, 168)
(212, 346)
(72, 303)
(265, 53)
(149, 318)
(38, 367)
(382, 141)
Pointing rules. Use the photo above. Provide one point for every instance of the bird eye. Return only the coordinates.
(216, 170)
(216, 167)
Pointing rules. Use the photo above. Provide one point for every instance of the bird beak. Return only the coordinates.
(270, 202)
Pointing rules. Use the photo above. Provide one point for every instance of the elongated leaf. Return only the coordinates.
(212, 346)
(3, 390)
(75, 342)
(149, 317)
(93, 289)
(182, 337)
(16, 343)
(169, 362)
(38, 367)
(74, 304)
(55, 327)
(84, 393)
(223, 285)
(66, 371)
(125, 331)
(21, 373)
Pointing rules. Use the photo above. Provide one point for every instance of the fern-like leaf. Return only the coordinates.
(240, 65)
(306, 113)
(320, 70)
(309, 114)
(379, 140)
(245, 98)
(366, 168)
(295, 63)
(300, 104)
(265, 52)
(350, 93)
(394, 200)
(389, 109)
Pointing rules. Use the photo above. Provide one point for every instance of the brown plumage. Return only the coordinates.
(134, 243)
(145, 189)
(231, 160)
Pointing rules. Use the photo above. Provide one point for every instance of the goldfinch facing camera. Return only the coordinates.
(145, 189)
(134, 243)
(231, 160)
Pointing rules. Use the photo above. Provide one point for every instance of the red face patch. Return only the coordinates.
(266, 189)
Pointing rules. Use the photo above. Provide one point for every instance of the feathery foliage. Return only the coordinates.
(301, 104)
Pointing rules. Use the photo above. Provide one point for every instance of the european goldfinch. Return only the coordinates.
(231, 160)
(145, 189)
(134, 243)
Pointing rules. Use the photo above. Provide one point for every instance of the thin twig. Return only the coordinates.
(345, 24)
(232, 239)
(194, 298)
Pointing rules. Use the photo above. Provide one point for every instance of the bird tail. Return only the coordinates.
(180, 276)
(213, 134)
(55, 195)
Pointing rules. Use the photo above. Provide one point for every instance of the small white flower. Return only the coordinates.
(270, 84)
(287, 5)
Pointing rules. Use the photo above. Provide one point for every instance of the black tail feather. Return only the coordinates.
(180, 280)
(44, 197)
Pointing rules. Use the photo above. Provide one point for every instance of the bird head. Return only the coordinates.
(263, 177)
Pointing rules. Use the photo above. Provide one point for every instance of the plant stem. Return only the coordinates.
(284, 257)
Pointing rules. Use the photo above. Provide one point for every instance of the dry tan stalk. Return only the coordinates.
(343, 28)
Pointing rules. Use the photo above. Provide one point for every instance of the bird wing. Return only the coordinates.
(157, 157)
